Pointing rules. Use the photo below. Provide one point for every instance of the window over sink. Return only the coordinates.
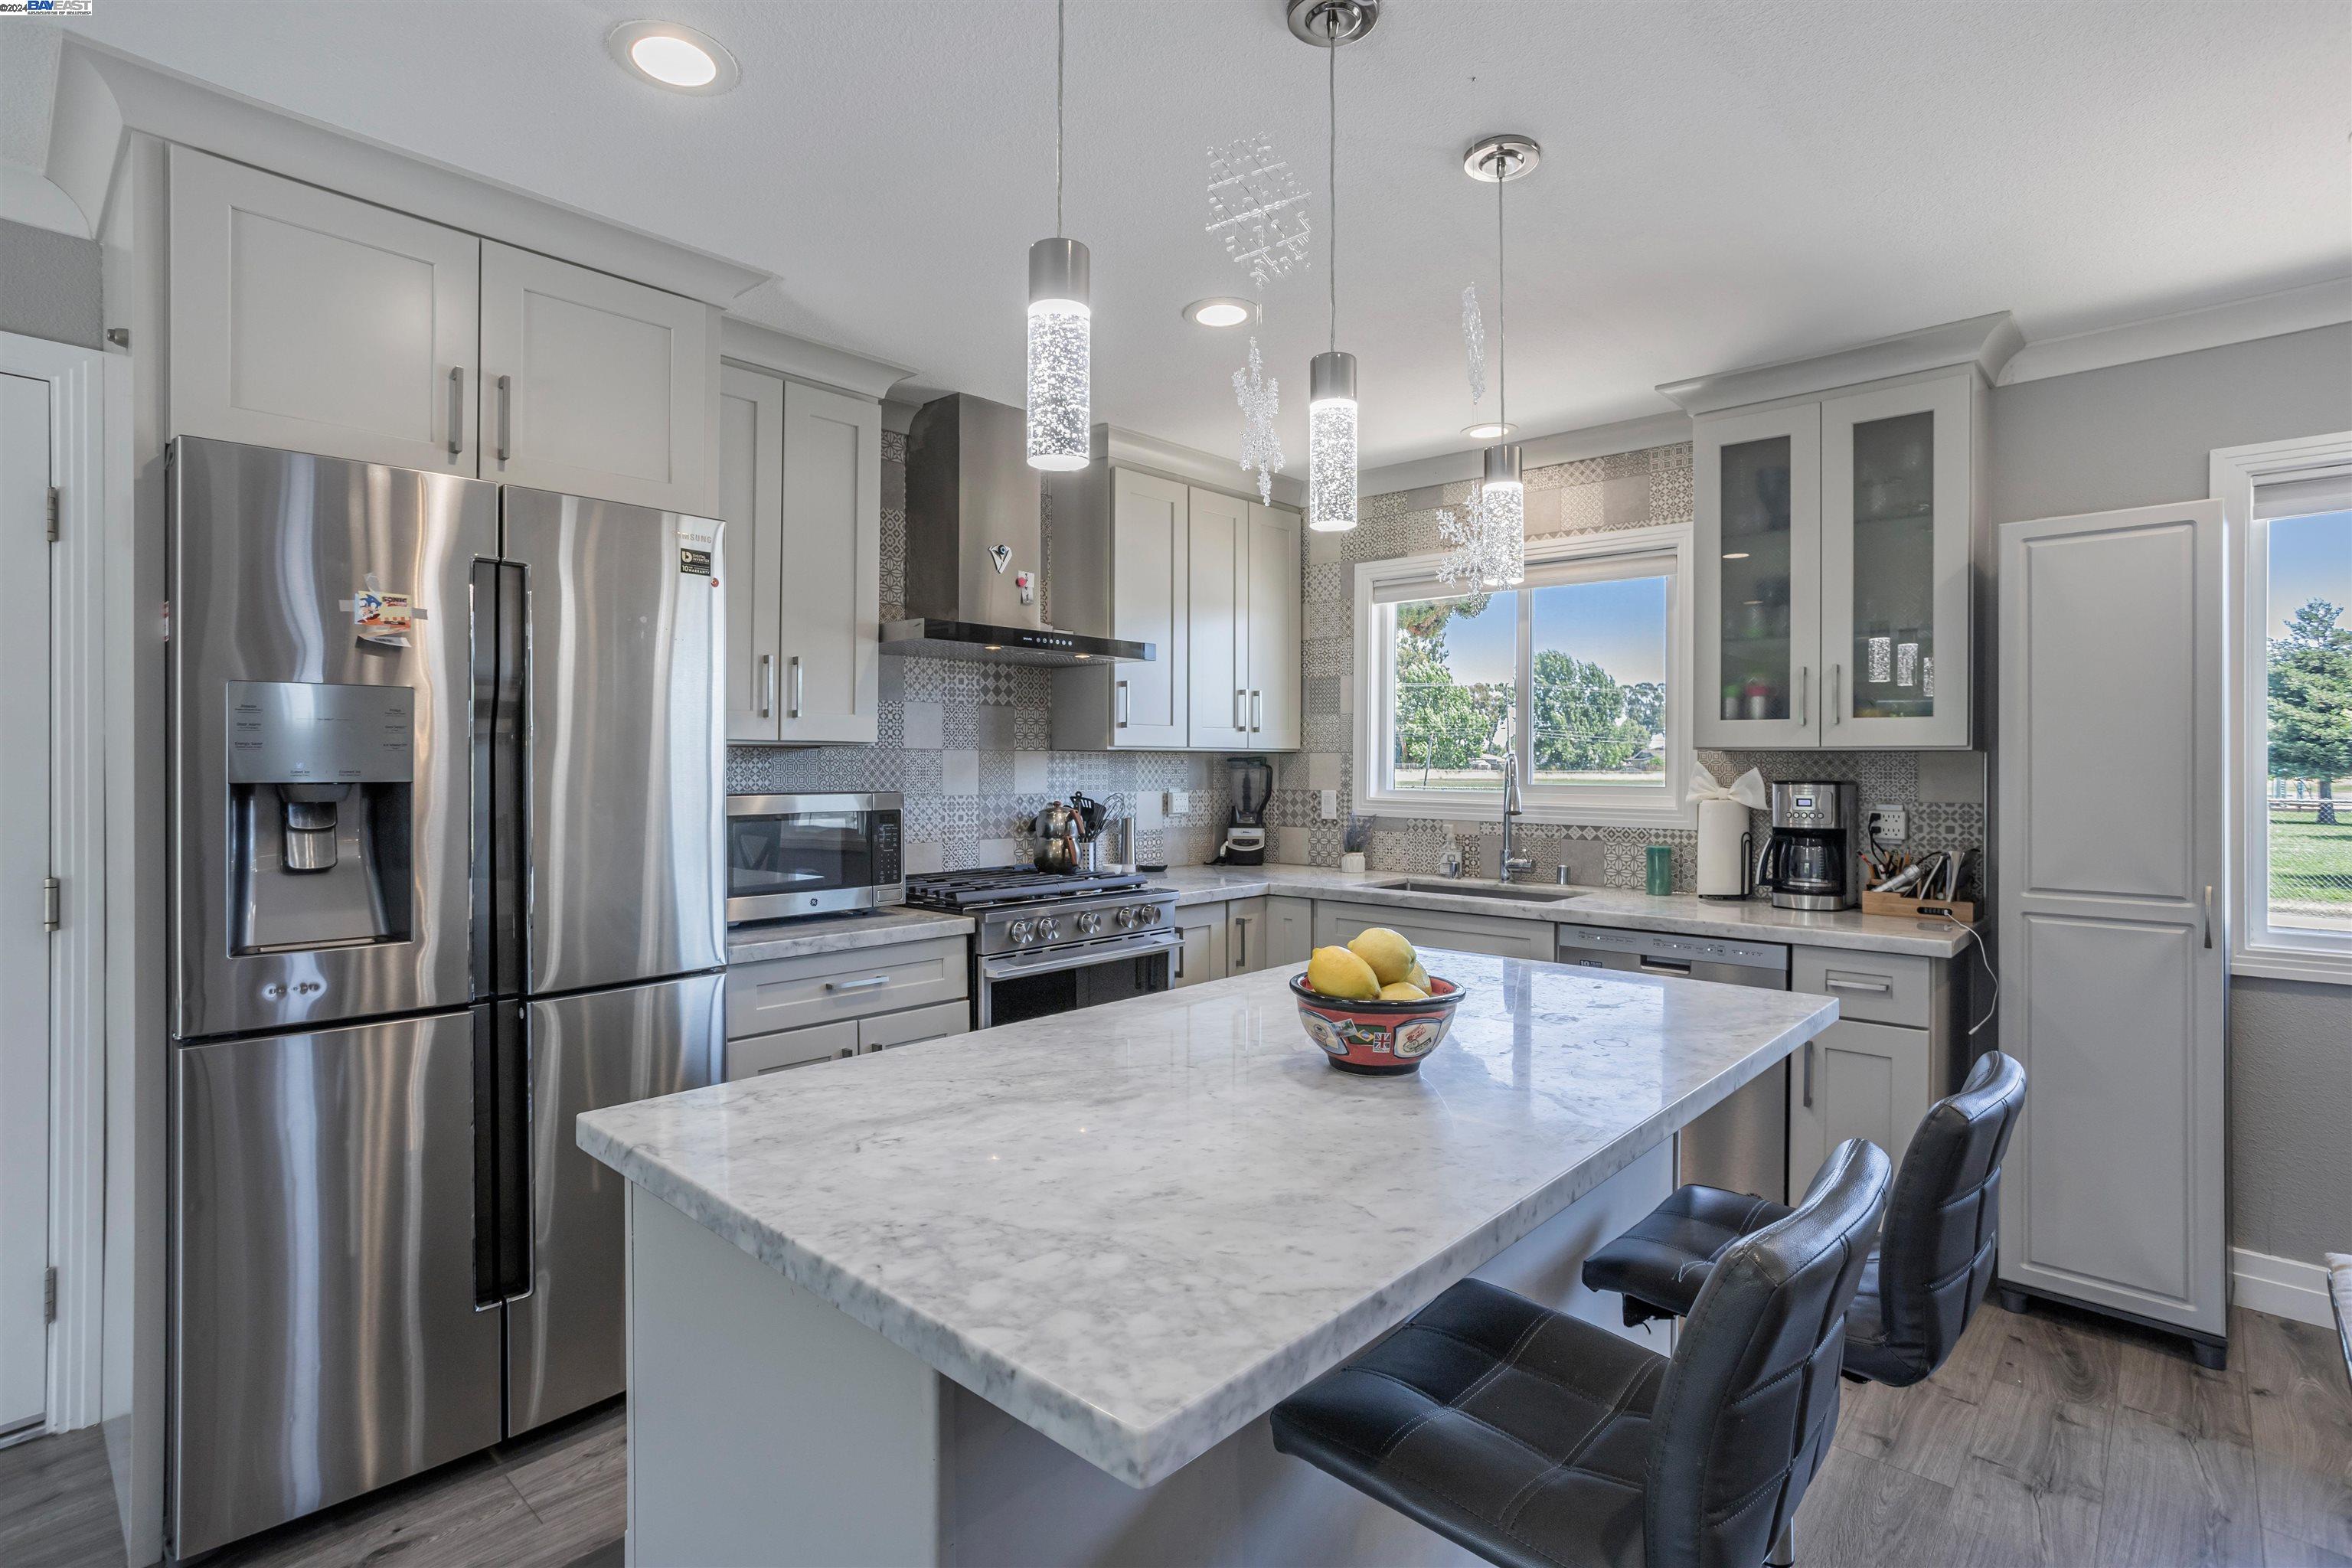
(1578, 677)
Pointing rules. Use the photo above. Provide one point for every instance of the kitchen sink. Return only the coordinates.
(1478, 891)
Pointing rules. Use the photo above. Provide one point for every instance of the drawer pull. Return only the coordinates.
(868, 983)
(1837, 982)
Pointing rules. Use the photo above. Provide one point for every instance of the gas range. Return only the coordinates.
(1021, 910)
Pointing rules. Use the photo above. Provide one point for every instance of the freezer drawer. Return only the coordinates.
(324, 1339)
(565, 1339)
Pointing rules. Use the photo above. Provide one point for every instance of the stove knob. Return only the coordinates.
(1145, 914)
(1089, 923)
(1050, 929)
(1023, 933)
(1126, 920)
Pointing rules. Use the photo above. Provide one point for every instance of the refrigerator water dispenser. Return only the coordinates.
(320, 781)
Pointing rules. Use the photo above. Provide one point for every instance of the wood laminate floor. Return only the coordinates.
(2052, 1439)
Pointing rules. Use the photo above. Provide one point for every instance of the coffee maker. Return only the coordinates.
(1250, 781)
(1809, 860)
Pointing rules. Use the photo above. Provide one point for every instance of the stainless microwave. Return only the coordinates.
(812, 855)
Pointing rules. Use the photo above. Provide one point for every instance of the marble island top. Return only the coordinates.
(1737, 920)
(1137, 1226)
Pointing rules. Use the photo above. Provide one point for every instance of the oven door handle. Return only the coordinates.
(1011, 965)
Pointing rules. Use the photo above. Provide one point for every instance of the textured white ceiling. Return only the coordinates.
(1723, 185)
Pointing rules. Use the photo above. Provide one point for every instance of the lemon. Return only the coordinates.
(1401, 991)
(1335, 971)
(1391, 957)
(1418, 977)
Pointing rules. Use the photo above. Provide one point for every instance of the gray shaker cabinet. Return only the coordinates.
(2109, 872)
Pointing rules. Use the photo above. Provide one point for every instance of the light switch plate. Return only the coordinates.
(1888, 824)
(1330, 805)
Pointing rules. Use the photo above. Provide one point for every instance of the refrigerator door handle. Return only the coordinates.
(485, 1157)
(516, 1253)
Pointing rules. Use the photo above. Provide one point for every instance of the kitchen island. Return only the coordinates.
(1026, 1295)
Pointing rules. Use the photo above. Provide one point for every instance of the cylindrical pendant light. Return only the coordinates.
(1502, 493)
(1332, 468)
(1061, 324)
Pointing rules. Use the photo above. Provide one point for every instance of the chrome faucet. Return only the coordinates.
(1507, 862)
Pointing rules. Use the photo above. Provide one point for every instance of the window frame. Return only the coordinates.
(1670, 546)
(2255, 948)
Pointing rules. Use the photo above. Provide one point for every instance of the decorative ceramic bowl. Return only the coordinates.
(1378, 1036)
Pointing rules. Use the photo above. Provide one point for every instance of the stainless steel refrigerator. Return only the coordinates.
(447, 870)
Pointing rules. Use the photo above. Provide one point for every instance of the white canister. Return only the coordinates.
(1722, 858)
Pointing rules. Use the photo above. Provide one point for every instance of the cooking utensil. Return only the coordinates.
(1056, 833)
(1091, 812)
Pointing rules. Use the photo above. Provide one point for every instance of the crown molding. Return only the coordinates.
(1133, 449)
(749, 342)
(1987, 342)
(2185, 331)
(140, 97)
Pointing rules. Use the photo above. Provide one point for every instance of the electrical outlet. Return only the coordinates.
(1179, 801)
(1888, 824)
(1330, 805)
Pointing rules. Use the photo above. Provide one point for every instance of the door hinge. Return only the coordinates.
(49, 1295)
(52, 903)
(53, 514)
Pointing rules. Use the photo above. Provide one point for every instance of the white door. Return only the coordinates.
(829, 628)
(751, 500)
(25, 479)
(595, 386)
(2113, 952)
(307, 320)
(1150, 578)
(1758, 480)
(1219, 587)
(1895, 515)
(1274, 627)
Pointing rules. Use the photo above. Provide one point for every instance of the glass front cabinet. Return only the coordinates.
(1834, 549)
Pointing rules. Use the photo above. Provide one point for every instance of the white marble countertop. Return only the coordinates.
(839, 933)
(1687, 914)
(1138, 1226)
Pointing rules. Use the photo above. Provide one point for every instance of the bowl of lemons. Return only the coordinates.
(1371, 1006)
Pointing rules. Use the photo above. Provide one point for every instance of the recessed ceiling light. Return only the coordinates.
(1487, 432)
(673, 56)
(1220, 311)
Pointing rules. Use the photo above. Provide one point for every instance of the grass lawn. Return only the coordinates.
(2311, 864)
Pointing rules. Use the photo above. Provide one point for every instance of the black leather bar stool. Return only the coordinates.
(1924, 1279)
(1540, 1441)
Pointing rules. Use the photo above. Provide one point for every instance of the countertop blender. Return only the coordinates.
(1250, 782)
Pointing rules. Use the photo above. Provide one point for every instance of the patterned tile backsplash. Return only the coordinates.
(971, 747)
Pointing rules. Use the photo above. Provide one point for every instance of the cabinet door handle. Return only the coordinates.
(506, 414)
(1839, 982)
(1257, 711)
(795, 710)
(1809, 1075)
(1177, 953)
(1835, 697)
(868, 983)
(456, 409)
(2209, 916)
(1240, 932)
(766, 686)
(1121, 711)
(1241, 710)
(1804, 692)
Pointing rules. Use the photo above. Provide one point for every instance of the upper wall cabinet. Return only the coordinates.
(592, 385)
(1245, 632)
(801, 488)
(1833, 599)
(307, 320)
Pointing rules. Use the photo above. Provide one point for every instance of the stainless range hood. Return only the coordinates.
(975, 557)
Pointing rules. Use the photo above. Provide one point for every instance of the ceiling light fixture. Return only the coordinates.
(1060, 322)
(1220, 311)
(1331, 375)
(1489, 431)
(670, 54)
(1502, 492)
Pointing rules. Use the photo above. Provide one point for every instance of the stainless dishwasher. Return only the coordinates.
(1741, 1145)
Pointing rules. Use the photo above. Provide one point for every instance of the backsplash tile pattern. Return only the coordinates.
(970, 748)
(1625, 490)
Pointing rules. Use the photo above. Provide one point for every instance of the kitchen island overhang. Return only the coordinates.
(1136, 1228)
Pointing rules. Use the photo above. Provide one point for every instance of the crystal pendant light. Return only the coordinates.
(1331, 375)
(1060, 324)
(1502, 491)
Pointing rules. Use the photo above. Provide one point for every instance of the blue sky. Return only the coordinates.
(1618, 624)
(2311, 558)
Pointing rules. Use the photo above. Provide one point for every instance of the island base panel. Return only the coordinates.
(767, 1427)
